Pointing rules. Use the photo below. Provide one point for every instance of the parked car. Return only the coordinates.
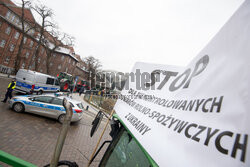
(28, 80)
(46, 105)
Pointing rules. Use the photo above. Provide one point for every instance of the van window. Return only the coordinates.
(57, 83)
(50, 81)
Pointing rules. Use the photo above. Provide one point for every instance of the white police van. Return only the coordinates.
(26, 80)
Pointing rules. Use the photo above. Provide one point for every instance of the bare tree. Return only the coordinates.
(93, 66)
(45, 14)
(46, 34)
(59, 39)
(26, 25)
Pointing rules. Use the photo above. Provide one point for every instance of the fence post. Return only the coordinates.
(90, 98)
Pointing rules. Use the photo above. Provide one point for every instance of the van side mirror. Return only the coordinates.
(115, 127)
(96, 122)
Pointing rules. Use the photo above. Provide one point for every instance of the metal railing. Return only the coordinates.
(105, 102)
(14, 161)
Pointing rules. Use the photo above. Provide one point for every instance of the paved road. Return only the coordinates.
(32, 138)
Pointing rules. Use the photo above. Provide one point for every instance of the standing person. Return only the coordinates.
(81, 90)
(10, 88)
(102, 92)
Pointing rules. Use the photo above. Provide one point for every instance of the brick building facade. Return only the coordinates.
(81, 69)
(63, 59)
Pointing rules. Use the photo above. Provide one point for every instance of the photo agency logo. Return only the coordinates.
(154, 80)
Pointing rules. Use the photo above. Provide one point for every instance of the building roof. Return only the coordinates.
(18, 10)
(7, 2)
(78, 57)
(68, 50)
(71, 49)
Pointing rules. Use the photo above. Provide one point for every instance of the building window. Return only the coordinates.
(31, 43)
(32, 31)
(44, 62)
(7, 60)
(73, 63)
(8, 15)
(33, 65)
(24, 39)
(59, 67)
(18, 21)
(38, 36)
(27, 55)
(69, 60)
(39, 59)
(12, 47)
(62, 58)
(17, 35)
(13, 18)
(41, 70)
(50, 64)
(23, 65)
(7, 31)
(42, 50)
(54, 55)
(25, 26)
(2, 44)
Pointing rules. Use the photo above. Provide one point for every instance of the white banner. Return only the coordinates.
(196, 115)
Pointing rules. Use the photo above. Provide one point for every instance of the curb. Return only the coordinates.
(7, 75)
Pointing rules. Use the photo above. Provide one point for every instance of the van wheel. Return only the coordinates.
(18, 107)
(61, 118)
(40, 92)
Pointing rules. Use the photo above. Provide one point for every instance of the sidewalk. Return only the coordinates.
(33, 138)
(7, 76)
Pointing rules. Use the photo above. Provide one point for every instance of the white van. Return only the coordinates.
(26, 79)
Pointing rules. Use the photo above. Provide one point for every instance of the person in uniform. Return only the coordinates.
(10, 88)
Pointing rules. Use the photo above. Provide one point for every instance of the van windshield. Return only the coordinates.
(125, 152)
(56, 83)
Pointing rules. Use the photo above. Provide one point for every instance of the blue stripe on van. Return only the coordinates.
(47, 106)
(21, 84)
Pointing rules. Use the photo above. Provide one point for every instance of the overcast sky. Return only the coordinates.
(122, 32)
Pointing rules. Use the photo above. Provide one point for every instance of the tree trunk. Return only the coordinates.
(19, 53)
(18, 56)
